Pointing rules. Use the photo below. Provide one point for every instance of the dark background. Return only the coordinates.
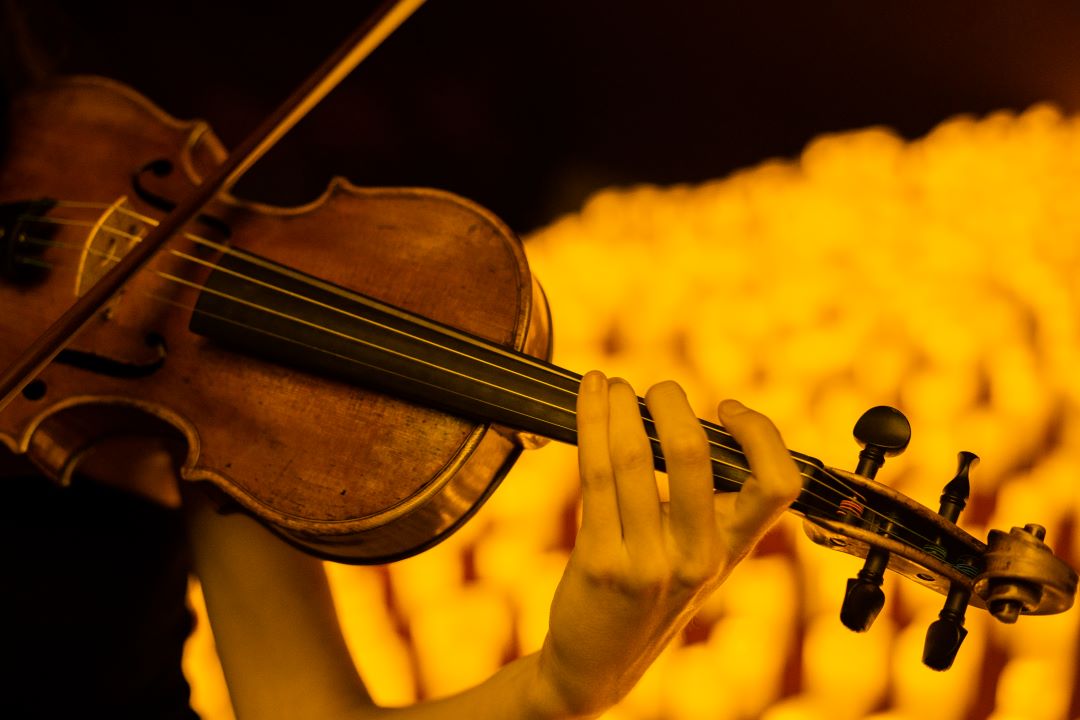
(526, 106)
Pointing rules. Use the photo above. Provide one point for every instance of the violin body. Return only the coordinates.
(348, 472)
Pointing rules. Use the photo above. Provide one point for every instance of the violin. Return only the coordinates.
(360, 372)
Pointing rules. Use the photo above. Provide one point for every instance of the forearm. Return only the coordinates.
(518, 691)
(272, 616)
(281, 646)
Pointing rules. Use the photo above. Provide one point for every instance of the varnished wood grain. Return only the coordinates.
(346, 470)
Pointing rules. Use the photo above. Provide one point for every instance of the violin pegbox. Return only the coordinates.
(1015, 574)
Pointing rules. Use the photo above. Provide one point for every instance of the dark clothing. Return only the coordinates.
(96, 613)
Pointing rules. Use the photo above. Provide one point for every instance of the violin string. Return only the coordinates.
(551, 370)
(225, 249)
(715, 461)
(741, 468)
(221, 248)
(188, 283)
(34, 262)
(274, 267)
(82, 204)
(42, 242)
(807, 489)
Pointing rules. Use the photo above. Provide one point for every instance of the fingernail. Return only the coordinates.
(593, 380)
(731, 407)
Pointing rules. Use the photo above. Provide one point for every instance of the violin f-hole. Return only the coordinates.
(161, 168)
(132, 367)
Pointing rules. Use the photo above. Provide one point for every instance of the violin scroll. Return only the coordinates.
(1023, 576)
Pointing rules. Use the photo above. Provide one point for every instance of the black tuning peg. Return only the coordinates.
(864, 599)
(954, 496)
(882, 432)
(947, 633)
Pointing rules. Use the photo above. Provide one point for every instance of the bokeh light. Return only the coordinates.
(938, 276)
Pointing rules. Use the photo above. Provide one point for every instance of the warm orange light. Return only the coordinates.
(939, 276)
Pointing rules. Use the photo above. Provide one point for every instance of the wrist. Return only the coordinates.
(556, 694)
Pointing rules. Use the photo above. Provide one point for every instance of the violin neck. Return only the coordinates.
(276, 313)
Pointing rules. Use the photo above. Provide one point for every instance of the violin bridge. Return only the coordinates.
(116, 231)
